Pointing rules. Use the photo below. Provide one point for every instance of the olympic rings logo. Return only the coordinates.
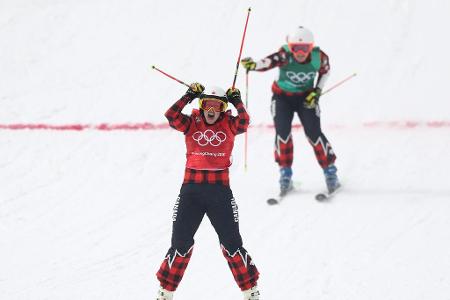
(300, 77)
(209, 137)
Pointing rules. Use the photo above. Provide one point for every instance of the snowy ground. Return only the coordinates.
(87, 214)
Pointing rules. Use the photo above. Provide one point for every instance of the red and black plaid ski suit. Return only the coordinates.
(206, 192)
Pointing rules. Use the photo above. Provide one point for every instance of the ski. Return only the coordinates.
(296, 187)
(277, 200)
(274, 201)
(327, 196)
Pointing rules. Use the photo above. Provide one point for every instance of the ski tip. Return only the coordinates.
(272, 201)
(326, 196)
(321, 197)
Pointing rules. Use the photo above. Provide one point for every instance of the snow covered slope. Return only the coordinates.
(87, 214)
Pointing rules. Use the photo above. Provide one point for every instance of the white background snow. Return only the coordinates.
(87, 215)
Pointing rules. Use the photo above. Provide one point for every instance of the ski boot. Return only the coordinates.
(285, 180)
(251, 294)
(164, 294)
(331, 178)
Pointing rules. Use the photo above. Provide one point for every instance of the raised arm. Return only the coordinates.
(239, 123)
(277, 59)
(176, 118)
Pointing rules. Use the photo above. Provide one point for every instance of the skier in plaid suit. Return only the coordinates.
(299, 62)
(209, 136)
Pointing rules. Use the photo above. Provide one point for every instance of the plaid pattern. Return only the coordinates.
(172, 269)
(182, 122)
(241, 265)
(177, 120)
(239, 124)
(206, 176)
(284, 151)
(323, 151)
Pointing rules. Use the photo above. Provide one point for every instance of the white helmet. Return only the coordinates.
(214, 92)
(300, 35)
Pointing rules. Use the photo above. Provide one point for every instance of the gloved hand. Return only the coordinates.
(195, 90)
(312, 99)
(248, 63)
(234, 96)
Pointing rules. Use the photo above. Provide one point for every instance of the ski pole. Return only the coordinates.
(170, 76)
(339, 83)
(240, 51)
(246, 132)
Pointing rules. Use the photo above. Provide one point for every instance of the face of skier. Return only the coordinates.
(301, 51)
(212, 108)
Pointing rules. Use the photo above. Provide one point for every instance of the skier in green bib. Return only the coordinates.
(304, 69)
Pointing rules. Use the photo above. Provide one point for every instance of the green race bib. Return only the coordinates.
(296, 77)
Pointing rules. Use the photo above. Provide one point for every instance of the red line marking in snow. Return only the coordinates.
(80, 127)
(161, 126)
(128, 126)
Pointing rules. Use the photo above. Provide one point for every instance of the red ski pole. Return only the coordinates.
(246, 132)
(240, 51)
(170, 76)
(339, 83)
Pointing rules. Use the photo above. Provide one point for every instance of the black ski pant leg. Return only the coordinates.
(222, 211)
(283, 112)
(310, 119)
(188, 213)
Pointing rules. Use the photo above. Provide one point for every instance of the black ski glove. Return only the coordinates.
(248, 63)
(312, 99)
(194, 91)
(234, 96)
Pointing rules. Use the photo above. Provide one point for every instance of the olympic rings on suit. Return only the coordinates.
(209, 137)
(300, 77)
